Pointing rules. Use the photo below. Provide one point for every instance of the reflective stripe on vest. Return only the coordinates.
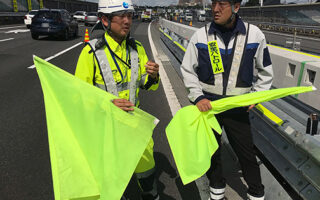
(143, 80)
(120, 87)
(134, 75)
(217, 88)
(110, 84)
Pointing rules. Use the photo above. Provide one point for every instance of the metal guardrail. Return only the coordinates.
(12, 14)
(279, 133)
(293, 153)
(11, 17)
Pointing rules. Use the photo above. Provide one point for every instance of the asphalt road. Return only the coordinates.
(24, 159)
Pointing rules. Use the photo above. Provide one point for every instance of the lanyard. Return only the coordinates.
(115, 61)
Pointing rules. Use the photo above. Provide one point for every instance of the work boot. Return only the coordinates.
(250, 197)
(217, 193)
(148, 185)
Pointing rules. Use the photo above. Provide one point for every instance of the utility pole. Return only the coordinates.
(261, 4)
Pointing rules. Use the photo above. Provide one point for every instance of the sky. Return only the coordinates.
(170, 2)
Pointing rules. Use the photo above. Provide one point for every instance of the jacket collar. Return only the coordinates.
(113, 44)
(239, 27)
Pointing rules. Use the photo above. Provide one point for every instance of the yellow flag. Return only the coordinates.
(190, 135)
(94, 146)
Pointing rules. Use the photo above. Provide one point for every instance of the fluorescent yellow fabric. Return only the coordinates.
(147, 161)
(85, 65)
(94, 146)
(190, 136)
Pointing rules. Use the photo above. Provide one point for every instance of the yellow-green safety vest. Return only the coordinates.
(98, 66)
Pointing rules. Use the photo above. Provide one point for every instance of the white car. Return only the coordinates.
(28, 17)
(79, 16)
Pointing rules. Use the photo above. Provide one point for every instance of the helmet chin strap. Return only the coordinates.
(108, 28)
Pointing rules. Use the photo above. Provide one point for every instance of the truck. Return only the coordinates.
(188, 17)
(201, 15)
(146, 15)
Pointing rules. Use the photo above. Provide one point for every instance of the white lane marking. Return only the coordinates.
(58, 54)
(12, 27)
(18, 31)
(6, 39)
(168, 90)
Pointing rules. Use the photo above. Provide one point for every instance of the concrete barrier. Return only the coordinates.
(11, 18)
(293, 68)
(183, 30)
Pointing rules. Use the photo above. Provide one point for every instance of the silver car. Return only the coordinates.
(79, 16)
(91, 18)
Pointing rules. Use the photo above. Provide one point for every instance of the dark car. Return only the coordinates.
(53, 22)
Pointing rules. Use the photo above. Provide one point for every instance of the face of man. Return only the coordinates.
(222, 11)
(120, 24)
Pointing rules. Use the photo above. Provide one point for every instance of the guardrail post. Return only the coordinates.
(29, 5)
(41, 4)
(312, 124)
(15, 5)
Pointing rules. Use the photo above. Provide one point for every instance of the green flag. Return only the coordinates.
(94, 146)
(190, 136)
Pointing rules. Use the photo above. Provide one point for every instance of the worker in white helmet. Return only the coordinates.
(119, 65)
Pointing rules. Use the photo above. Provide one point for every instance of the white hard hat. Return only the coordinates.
(112, 6)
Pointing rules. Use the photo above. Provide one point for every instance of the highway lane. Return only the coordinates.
(25, 165)
(24, 159)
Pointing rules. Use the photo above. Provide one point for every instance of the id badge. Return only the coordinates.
(215, 57)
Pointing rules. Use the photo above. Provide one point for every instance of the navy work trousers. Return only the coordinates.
(237, 127)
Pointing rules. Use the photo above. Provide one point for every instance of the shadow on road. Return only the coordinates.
(186, 192)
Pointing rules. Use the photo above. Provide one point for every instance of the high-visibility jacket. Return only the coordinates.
(245, 53)
(120, 64)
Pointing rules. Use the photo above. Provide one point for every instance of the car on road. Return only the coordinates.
(53, 22)
(79, 16)
(28, 17)
(91, 18)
